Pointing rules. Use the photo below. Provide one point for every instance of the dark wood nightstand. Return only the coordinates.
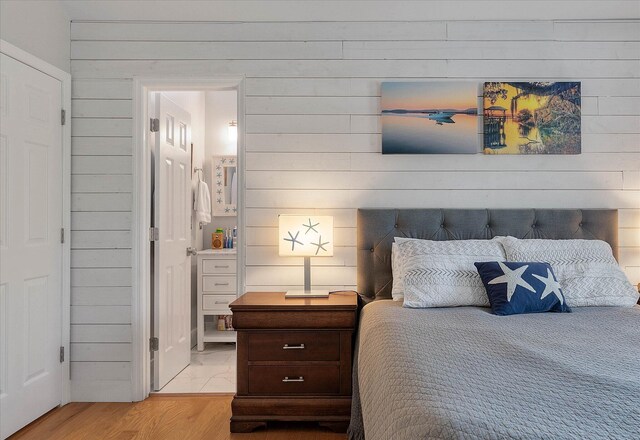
(294, 359)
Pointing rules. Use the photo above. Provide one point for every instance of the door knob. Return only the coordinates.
(191, 251)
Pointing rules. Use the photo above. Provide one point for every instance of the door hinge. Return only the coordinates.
(154, 344)
(61, 235)
(61, 354)
(154, 234)
(63, 117)
(154, 124)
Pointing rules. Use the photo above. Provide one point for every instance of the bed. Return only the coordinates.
(463, 373)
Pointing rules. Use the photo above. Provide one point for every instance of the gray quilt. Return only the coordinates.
(463, 373)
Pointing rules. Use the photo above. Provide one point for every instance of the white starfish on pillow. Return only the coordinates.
(551, 285)
(513, 278)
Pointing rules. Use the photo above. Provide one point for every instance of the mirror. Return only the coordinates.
(224, 191)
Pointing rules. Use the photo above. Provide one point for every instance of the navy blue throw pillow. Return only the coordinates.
(515, 288)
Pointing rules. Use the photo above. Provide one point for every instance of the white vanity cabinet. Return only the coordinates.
(217, 276)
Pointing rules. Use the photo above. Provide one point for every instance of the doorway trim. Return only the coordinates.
(65, 81)
(141, 211)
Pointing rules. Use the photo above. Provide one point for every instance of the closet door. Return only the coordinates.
(30, 248)
(172, 262)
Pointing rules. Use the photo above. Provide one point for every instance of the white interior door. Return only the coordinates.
(172, 217)
(31, 252)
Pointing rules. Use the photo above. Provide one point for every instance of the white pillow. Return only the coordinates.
(411, 253)
(449, 282)
(586, 269)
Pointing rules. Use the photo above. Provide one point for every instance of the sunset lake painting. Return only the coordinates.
(531, 118)
(439, 117)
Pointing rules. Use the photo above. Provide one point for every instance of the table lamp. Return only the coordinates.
(305, 236)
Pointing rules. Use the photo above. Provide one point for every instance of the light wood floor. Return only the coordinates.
(160, 417)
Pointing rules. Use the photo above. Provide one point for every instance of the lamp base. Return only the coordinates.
(307, 294)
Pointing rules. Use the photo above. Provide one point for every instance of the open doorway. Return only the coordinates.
(194, 199)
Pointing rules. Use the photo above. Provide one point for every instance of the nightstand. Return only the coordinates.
(294, 359)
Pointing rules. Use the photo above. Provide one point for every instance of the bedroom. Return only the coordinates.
(311, 134)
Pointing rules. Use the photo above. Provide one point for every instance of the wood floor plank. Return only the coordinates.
(160, 417)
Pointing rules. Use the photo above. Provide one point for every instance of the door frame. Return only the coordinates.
(65, 82)
(140, 305)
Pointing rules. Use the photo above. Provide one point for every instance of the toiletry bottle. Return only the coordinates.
(234, 243)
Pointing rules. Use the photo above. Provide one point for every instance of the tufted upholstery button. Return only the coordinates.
(395, 226)
(580, 225)
(533, 225)
(487, 226)
(442, 225)
(371, 249)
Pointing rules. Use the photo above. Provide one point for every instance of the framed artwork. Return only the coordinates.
(436, 117)
(531, 118)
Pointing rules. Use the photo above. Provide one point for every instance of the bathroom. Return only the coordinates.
(206, 134)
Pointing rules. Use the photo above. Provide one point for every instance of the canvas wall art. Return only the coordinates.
(430, 117)
(531, 118)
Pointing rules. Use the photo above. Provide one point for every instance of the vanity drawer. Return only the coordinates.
(219, 283)
(217, 303)
(294, 346)
(294, 379)
(218, 266)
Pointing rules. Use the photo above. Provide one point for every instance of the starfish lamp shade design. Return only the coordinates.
(305, 235)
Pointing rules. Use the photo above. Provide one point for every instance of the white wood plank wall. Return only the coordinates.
(313, 142)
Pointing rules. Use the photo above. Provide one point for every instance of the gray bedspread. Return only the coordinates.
(463, 373)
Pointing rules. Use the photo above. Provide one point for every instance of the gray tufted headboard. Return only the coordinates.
(378, 227)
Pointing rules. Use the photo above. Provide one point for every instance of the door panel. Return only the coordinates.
(172, 217)
(31, 252)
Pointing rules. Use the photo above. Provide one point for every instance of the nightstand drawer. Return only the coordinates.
(218, 266)
(298, 379)
(295, 319)
(294, 346)
(217, 303)
(219, 283)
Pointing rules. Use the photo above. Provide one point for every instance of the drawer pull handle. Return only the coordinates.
(293, 347)
(222, 284)
(299, 379)
(221, 267)
(222, 302)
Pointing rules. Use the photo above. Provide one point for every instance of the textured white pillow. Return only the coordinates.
(394, 269)
(411, 253)
(586, 269)
(449, 282)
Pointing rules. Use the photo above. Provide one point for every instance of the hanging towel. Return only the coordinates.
(202, 203)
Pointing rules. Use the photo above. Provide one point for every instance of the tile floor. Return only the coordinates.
(211, 371)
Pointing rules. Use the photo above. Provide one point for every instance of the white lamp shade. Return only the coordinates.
(305, 235)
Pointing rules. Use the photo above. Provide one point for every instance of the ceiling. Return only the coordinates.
(346, 10)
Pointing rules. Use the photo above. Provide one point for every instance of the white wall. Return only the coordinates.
(313, 135)
(222, 107)
(38, 27)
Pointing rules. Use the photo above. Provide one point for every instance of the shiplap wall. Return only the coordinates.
(313, 142)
